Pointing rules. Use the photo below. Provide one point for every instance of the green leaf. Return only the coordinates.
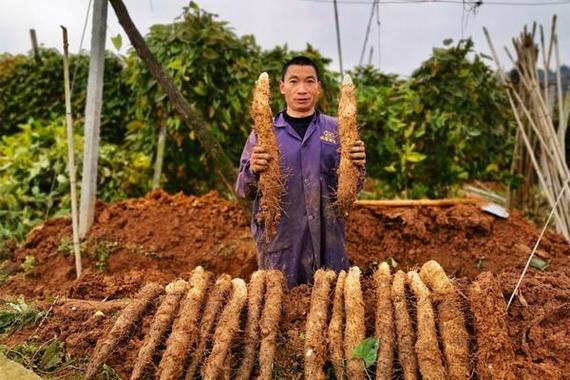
(539, 263)
(447, 41)
(367, 350)
(52, 356)
(200, 89)
(117, 41)
(390, 168)
(392, 262)
(175, 64)
(415, 157)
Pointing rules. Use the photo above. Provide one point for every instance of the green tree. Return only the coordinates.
(34, 183)
(467, 118)
(216, 70)
(31, 90)
(448, 123)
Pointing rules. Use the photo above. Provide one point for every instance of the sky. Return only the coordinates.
(407, 33)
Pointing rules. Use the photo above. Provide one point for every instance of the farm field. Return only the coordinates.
(162, 238)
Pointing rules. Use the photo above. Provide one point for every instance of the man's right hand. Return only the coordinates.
(259, 160)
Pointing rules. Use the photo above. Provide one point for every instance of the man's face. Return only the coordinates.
(300, 87)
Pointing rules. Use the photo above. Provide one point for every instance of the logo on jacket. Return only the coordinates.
(329, 137)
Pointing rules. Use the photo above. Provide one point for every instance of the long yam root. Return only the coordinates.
(270, 183)
(316, 321)
(127, 319)
(384, 322)
(427, 346)
(184, 329)
(336, 329)
(269, 325)
(355, 329)
(404, 328)
(256, 289)
(160, 324)
(228, 326)
(450, 319)
(348, 174)
(214, 304)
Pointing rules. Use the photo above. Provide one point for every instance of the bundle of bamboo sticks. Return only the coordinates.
(540, 143)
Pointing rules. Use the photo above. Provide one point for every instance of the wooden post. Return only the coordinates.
(159, 154)
(35, 47)
(93, 116)
(338, 39)
(71, 156)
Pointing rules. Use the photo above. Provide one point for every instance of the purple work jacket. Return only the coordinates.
(309, 235)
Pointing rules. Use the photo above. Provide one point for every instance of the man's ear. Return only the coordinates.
(281, 86)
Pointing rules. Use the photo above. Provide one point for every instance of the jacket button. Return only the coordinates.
(311, 217)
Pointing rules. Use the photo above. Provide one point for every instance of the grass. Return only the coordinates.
(50, 361)
(29, 264)
(15, 315)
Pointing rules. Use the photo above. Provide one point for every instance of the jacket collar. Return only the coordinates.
(279, 120)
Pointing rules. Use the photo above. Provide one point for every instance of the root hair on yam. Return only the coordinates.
(161, 322)
(450, 320)
(214, 304)
(336, 329)
(184, 330)
(427, 344)
(355, 328)
(315, 343)
(384, 322)
(130, 315)
(228, 325)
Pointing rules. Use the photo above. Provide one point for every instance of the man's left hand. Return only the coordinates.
(358, 154)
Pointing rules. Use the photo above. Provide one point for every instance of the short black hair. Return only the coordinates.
(300, 60)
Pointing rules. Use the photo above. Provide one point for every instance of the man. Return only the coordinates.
(310, 235)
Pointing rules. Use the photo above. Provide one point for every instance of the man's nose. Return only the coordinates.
(302, 89)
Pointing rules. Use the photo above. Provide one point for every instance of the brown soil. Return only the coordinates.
(157, 238)
(163, 238)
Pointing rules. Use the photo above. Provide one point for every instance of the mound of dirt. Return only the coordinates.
(157, 238)
(462, 238)
(162, 237)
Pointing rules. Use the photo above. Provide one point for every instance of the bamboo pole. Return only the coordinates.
(417, 202)
(561, 121)
(71, 156)
(547, 159)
